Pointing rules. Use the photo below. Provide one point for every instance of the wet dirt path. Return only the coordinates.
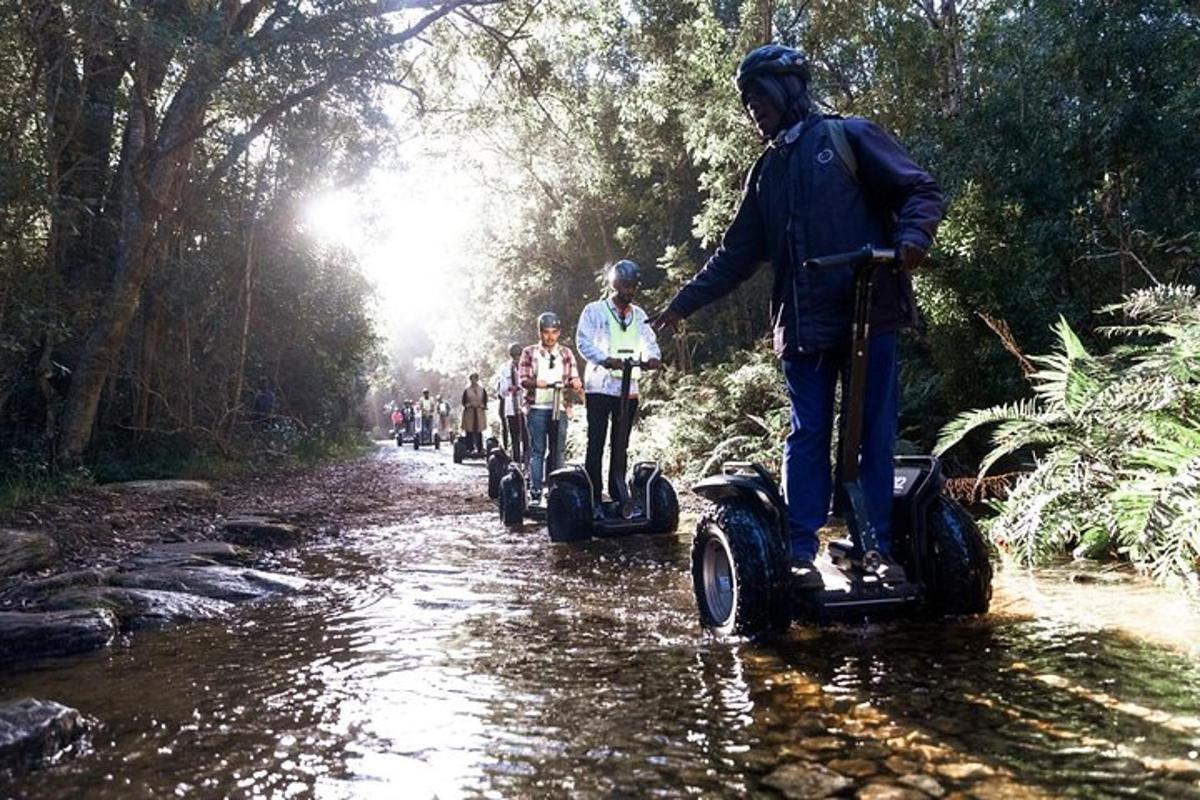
(443, 656)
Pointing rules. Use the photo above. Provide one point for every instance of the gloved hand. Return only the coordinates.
(911, 257)
(613, 363)
(654, 363)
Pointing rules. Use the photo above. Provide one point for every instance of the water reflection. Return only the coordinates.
(447, 657)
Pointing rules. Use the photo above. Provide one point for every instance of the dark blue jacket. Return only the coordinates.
(801, 201)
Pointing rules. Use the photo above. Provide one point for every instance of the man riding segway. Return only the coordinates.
(823, 185)
(546, 371)
(611, 330)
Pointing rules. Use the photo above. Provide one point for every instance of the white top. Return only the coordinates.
(592, 337)
(508, 388)
(549, 368)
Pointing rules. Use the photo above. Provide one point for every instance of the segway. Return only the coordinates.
(498, 458)
(463, 451)
(513, 491)
(646, 503)
(740, 556)
(426, 434)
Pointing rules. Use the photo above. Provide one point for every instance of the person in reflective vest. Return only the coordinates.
(543, 365)
(474, 417)
(611, 330)
(508, 387)
(427, 406)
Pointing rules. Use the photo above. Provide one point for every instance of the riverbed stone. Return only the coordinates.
(262, 532)
(31, 592)
(923, 783)
(23, 551)
(886, 791)
(141, 608)
(806, 781)
(854, 767)
(179, 554)
(28, 636)
(223, 583)
(36, 732)
(970, 770)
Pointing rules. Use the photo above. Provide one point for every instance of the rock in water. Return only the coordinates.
(141, 608)
(223, 583)
(21, 551)
(25, 637)
(805, 781)
(36, 732)
(261, 532)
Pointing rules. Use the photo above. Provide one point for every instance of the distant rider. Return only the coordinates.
(509, 388)
(474, 417)
(543, 365)
(610, 331)
(443, 412)
(397, 420)
(427, 407)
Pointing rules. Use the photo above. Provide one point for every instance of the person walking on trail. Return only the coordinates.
(508, 387)
(474, 416)
(541, 367)
(610, 331)
(443, 412)
(427, 406)
(823, 185)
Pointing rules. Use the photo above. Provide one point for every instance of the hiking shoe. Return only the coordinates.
(890, 570)
(805, 576)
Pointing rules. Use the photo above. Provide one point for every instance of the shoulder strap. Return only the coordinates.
(837, 135)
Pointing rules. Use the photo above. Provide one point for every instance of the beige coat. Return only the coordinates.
(474, 400)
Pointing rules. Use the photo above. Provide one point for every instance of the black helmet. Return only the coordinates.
(770, 59)
(514, 350)
(548, 319)
(625, 271)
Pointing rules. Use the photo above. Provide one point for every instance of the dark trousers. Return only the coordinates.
(600, 409)
(474, 441)
(517, 437)
(808, 479)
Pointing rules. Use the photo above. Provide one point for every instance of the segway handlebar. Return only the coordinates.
(855, 258)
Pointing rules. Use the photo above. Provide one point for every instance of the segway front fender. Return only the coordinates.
(727, 489)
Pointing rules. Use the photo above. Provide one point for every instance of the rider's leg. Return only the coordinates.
(807, 481)
(880, 411)
(539, 421)
(514, 436)
(599, 408)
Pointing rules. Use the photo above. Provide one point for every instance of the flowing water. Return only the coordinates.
(444, 656)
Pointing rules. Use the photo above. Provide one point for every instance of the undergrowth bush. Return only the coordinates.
(1111, 443)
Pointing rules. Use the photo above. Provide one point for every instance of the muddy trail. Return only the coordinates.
(438, 654)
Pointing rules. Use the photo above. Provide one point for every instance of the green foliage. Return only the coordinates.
(1112, 443)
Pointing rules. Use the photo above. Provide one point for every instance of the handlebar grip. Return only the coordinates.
(864, 255)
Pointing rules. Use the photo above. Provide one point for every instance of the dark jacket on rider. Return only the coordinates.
(802, 201)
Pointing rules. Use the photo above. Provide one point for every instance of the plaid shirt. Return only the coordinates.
(528, 365)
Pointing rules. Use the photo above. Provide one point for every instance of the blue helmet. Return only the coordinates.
(626, 271)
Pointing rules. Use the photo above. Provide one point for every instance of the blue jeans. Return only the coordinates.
(808, 479)
(539, 439)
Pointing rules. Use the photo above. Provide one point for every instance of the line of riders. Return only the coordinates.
(824, 190)
(414, 419)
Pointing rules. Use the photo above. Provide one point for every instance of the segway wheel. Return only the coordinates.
(437, 441)
(962, 573)
(496, 465)
(460, 449)
(512, 501)
(739, 573)
(400, 441)
(417, 442)
(568, 513)
(664, 507)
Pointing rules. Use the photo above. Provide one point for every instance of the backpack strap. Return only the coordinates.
(841, 145)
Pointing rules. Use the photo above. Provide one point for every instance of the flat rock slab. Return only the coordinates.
(223, 583)
(140, 608)
(21, 551)
(28, 636)
(261, 532)
(178, 554)
(33, 592)
(161, 487)
(34, 733)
